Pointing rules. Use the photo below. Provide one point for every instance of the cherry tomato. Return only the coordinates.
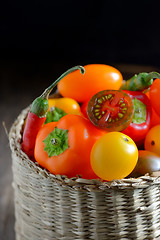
(155, 118)
(68, 105)
(97, 77)
(114, 156)
(64, 147)
(152, 140)
(111, 110)
(84, 109)
(154, 93)
(59, 107)
(148, 162)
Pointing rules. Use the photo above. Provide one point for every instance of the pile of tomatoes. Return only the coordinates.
(97, 130)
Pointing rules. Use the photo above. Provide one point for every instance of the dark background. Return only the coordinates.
(39, 40)
(80, 31)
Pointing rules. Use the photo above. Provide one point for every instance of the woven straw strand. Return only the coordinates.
(55, 207)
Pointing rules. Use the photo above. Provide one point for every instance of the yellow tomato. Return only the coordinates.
(114, 156)
(68, 105)
(152, 140)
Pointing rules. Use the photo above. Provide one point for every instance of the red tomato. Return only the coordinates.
(97, 77)
(110, 110)
(155, 119)
(154, 93)
(138, 129)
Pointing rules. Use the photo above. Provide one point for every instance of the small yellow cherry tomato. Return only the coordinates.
(114, 156)
(152, 140)
(68, 105)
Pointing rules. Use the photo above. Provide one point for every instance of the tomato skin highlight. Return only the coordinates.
(154, 93)
(76, 159)
(138, 131)
(97, 77)
(114, 156)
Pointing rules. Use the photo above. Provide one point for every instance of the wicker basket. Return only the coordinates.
(51, 206)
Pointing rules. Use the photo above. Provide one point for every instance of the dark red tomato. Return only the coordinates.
(148, 162)
(141, 121)
(111, 110)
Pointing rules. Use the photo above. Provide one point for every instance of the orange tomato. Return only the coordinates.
(97, 77)
(64, 147)
(152, 140)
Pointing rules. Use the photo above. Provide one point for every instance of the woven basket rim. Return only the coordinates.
(15, 135)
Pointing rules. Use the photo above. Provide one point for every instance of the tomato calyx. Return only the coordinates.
(56, 142)
(54, 114)
(110, 110)
(126, 139)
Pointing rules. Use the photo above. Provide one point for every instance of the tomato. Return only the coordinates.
(154, 93)
(152, 140)
(155, 119)
(97, 77)
(84, 109)
(148, 162)
(54, 114)
(59, 107)
(114, 156)
(141, 121)
(64, 147)
(68, 105)
(110, 110)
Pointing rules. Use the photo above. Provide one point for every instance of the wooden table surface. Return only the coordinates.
(20, 84)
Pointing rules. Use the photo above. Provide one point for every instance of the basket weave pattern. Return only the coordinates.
(51, 206)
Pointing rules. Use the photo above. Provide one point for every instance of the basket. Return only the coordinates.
(51, 206)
